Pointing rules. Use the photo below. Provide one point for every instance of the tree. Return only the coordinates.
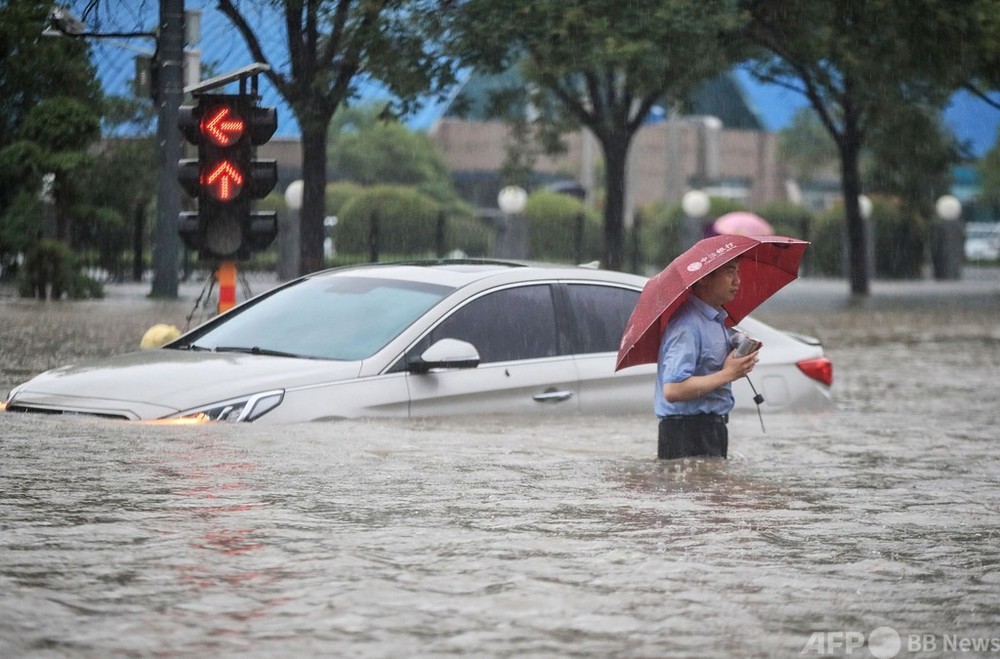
(36, 68)
(605, 62)
(333, 46)
(989, 171)
(859, 63)
(369, 149)
(33, 141)
(806, 147)
(129, 196)
(54, 138)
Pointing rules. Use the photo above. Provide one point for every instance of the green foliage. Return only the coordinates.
(339, 193)
(20, 224)
(21, 166)
(900, 241)
(367, 149)
(805, 146)
(103, 229)
(61, 124)
(407, 224)
(660, 234)
(385, 152)
(108, 207)
(50, 271)
(35, 68)
(989, 173)
(787, 219)
(50, 105)
(828, 235)
(553, 221)
(912, 155)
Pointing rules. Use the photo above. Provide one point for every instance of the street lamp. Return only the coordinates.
(695, 205)
(948, 208)
(865, 206)
(512, 237)
(947, 249)
(288, 232)
(512, 200)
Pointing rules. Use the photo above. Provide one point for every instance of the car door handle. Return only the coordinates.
(553, 396)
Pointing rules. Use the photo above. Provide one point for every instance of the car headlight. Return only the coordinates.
(246, 408)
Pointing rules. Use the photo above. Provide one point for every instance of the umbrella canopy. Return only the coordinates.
(767, 263)
(742, 223)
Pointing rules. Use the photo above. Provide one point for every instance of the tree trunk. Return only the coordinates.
(857, 237)
(313, 191)
(615, 159)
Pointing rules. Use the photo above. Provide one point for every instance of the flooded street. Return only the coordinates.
(873, 530)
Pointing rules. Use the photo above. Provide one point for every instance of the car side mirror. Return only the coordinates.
(446, 353)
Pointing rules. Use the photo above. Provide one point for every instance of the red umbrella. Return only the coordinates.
(767, 263)
(742, 223)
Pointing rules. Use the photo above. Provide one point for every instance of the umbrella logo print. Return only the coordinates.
(694, 267)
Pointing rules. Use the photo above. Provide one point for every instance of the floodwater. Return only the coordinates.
(873, 530)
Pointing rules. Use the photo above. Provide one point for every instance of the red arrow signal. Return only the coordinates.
(223, 180)
(223, 126)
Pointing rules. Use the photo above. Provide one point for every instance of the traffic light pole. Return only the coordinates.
(226, 274)
(170, 93)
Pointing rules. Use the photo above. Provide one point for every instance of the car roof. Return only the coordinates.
(458, 273)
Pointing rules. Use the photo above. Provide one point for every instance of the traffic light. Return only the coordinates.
(226, 177)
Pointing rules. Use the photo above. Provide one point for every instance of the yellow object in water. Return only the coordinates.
(157, 335)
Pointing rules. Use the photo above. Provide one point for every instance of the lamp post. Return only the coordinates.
(695, 205)
(947, 250)
(288, 233)
(866, 207)
(512, 237)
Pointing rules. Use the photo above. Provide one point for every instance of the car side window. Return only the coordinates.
(599, 315)
(513, 323)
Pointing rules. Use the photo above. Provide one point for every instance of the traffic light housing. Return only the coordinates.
(226, 178)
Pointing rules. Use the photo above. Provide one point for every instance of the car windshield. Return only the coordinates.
(342, 318)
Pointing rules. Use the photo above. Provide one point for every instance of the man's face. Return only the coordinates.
(720, 286)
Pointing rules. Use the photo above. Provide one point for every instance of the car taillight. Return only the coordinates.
(820, 369)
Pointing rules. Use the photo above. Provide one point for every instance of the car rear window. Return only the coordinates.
(342, 318)
(599, 315)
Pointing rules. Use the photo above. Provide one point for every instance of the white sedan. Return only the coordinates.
(421, 339)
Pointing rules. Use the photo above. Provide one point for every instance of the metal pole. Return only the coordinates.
(374, 237)
(170, 93)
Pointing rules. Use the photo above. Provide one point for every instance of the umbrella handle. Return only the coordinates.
(758, 399)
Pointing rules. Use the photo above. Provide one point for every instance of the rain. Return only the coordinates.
(505, 536)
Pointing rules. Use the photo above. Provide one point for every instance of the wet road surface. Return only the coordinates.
(500, 537)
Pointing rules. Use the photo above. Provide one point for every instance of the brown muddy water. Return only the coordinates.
(873, 530)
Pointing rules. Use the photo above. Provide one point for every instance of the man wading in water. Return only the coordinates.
(695, 371)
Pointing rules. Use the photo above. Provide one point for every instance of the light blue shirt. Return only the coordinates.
(696, 342)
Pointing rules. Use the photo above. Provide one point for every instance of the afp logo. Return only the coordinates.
(882, 643)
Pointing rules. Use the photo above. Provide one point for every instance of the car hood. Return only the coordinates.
(156, 383)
